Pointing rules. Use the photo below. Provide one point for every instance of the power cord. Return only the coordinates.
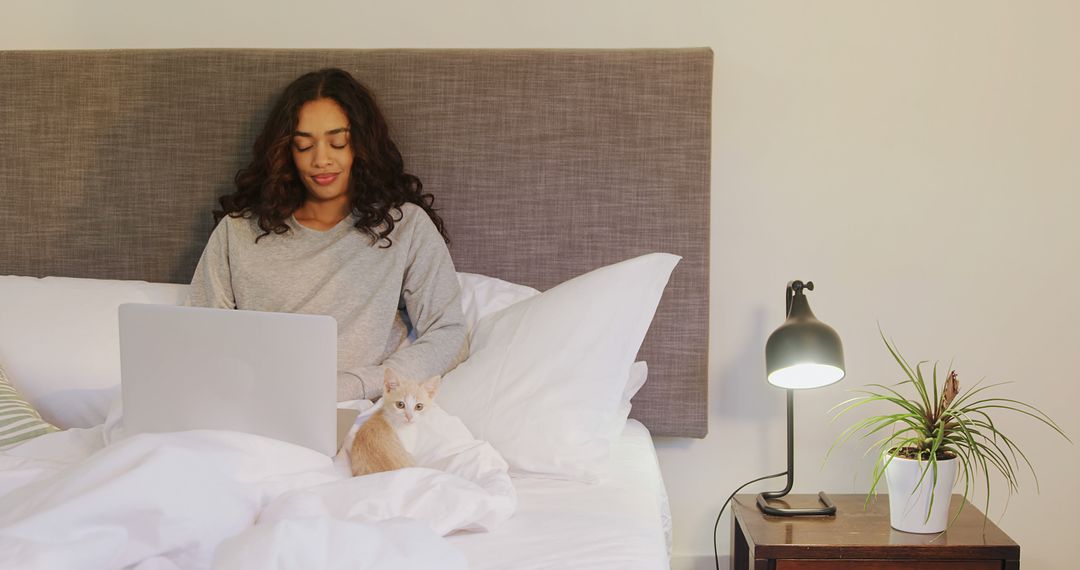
(716, 553)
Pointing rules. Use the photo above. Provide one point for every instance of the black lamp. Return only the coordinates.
(803, 353)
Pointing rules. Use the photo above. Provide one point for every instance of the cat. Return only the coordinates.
(377, 446)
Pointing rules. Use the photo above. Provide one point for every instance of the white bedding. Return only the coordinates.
(224, 500)
(623, 523)
(216, 499)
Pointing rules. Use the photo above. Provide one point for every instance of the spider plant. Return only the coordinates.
(937, 422)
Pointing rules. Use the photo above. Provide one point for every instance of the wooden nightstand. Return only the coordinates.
(858, 539)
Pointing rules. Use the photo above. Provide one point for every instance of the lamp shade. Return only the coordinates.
(804, 352)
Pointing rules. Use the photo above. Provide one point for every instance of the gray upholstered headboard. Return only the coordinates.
(544, 163)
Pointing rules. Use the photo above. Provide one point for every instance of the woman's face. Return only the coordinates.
(322, 151)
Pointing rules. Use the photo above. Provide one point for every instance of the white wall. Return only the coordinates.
(917, 160)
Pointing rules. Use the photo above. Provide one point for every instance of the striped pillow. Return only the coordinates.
(18, 421)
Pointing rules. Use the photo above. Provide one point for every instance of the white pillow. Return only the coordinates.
(482, 295)
(639, 373)
(59, 341)
(546, 376)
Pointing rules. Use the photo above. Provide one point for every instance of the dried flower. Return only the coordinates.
(949, 391)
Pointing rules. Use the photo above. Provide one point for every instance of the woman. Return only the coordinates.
(325, 220)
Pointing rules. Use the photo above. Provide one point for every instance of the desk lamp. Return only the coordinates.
(803, 353)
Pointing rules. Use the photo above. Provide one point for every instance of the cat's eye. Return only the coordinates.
(419, 407)
(401, 405)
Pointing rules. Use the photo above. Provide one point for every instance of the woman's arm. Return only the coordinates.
(432, 299)
(211, 285)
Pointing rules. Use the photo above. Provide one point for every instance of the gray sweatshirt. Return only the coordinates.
(341, 273)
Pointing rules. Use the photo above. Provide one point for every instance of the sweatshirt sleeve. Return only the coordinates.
(432, 300)
(211, 285)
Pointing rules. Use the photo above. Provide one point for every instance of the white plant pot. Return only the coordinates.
(908, 505)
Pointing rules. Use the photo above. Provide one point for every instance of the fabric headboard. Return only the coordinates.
(544, 163)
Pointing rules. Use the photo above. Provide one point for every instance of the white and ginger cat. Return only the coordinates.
(377, 446)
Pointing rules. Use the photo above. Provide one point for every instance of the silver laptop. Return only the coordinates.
(269, 374)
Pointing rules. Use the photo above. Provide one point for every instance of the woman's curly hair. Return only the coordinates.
(270, 188)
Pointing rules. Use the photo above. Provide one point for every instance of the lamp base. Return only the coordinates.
(828, 509)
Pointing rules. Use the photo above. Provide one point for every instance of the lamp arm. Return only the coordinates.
(790, 450)
(795, 288)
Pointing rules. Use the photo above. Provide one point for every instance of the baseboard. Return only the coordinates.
(698, 562)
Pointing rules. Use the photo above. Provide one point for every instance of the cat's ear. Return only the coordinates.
(391, 381)
(431, 385)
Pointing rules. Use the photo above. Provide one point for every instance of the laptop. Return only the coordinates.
(269, 374)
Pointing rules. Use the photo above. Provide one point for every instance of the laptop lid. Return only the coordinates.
(269, 374)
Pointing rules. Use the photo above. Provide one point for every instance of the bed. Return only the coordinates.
(545, 164)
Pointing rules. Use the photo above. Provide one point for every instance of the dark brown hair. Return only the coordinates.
(270, 189)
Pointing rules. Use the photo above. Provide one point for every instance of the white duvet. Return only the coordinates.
(92, 499)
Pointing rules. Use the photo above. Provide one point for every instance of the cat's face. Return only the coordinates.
(407, 401)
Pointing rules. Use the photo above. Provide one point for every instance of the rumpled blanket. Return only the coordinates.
(95, 499)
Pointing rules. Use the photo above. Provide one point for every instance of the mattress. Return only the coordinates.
(622, 523)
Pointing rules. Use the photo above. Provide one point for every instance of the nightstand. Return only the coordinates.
(862, 539)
